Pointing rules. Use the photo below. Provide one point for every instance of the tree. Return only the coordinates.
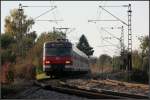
(105, 59)
(6, 41)
(18, 26)
(116, 63)
(136, 60)
(145, 52)
(37, 49)
(8, 56)
(144, 44)
(29, 40)
(84, 46)
(12, 25)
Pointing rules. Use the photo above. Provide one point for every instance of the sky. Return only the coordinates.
(75, 15)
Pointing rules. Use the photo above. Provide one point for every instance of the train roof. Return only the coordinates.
(56, 42)
(79, 52)
(51, 43)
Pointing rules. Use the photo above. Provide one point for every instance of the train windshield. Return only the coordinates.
(58, 51)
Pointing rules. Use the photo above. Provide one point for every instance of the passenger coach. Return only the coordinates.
(62, 57)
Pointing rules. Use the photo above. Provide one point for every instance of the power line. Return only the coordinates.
(113, 27)
(129, 30)
(114, 16)
(39, 6)
(111, 43)
(117, 6)
(111, 34)
(48, 20)
(44, 13)
(102, 20)
(105, 45)
(53, 7)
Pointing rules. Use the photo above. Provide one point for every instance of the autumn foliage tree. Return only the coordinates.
(17, 33)
(18, 26)
(12, 25)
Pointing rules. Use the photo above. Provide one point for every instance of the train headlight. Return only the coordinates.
(47, 62)
(68, 62)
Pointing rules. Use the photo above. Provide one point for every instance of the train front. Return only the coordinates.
(55, 56)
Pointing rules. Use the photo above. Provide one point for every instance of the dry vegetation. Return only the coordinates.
(100, 69)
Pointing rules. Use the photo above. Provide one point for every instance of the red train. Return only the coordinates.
(62, 56)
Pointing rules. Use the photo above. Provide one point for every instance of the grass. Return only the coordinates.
(41, 76)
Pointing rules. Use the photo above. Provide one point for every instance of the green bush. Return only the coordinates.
(8, 56)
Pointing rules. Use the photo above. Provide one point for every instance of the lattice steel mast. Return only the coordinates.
(129, 39)
(129, 63)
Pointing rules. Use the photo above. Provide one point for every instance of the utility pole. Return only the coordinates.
(122, 40)
(20, 34)
(123, 55)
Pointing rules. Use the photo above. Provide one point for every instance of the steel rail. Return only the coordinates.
(91, 94)
(78, 92)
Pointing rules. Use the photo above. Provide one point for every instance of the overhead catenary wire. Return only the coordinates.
(99, 11)
(117, 6)
(44, 13)
(113, 27)
(36, 18)
(53, 7)
(114, 16)
(116, 19)
(105, 45)
(111, 43)
(48, 20)
(111, 34)
(108, 50)
(54, 13)
(114, 49)
(102, 20)
(39, 6)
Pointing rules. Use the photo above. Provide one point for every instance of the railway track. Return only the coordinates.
(61, 86)
(27, 93)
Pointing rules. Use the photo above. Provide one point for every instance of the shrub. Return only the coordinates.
(139, 76)
(24, 69)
